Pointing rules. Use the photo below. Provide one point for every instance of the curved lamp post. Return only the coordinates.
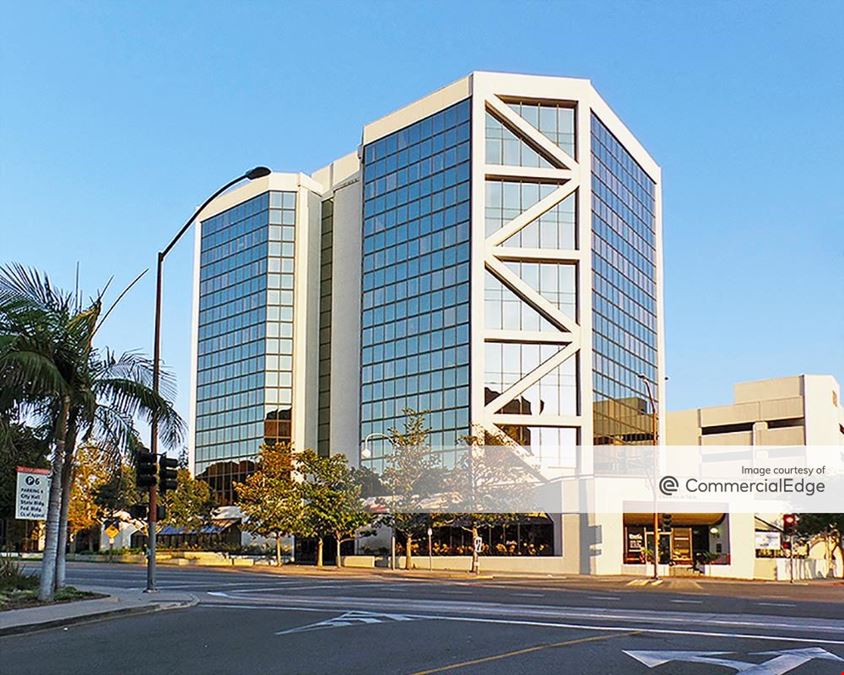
(366, 453)
(257, 172)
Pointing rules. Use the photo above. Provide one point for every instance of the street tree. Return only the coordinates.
(270, 497)
(332, 500)
(191, 505)
(118, 493)
(826, 526)
(411, 478)
(487, 485)
(90, 473)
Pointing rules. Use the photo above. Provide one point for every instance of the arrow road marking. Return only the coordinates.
(785, 660)
(353, 618)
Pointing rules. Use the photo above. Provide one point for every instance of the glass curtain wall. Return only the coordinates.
(415, 304)
(624, 292)
(244, 366)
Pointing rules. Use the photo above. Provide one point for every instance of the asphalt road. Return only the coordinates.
(301, 623)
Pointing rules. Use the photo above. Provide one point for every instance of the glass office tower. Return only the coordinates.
(491, 256)
(511, 269)
(244, 374)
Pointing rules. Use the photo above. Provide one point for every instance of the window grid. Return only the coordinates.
(624, 291)
(244, 365)
(415, 295)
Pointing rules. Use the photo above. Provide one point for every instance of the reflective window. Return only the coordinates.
(554, 394)
(326, 266)
(504, 147)
(415, 302)
(504, 310)
(506, 200)
(624, 291)
(556, 282)
(553, 229)
(245, 332)
(552, 446)
(554, 120)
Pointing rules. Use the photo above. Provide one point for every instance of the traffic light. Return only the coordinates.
(167, 473)
(145, 473)
(138, 511)
(665, 521)
(789, 522)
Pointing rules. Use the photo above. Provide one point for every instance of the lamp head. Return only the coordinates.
(258, 172)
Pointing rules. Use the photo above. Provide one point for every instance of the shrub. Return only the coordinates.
(12, 577)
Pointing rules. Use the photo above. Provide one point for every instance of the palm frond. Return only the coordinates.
(137, 399)
(31, 373)
(25, 283)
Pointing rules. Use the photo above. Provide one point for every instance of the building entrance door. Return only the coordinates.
(682, 551)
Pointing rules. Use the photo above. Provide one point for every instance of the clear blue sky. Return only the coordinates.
(118, 118)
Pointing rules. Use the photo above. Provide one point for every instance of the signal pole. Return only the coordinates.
(655, 434)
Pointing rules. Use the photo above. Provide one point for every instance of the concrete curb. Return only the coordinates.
(98, 616)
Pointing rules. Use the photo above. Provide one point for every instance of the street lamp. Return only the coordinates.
(257, 172)
(365, 452)
(655, 434)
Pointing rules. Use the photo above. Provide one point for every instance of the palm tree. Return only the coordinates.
(51, 370)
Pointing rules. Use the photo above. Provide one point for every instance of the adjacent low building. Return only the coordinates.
(801, 410)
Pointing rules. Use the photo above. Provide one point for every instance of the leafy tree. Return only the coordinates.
(119, 492)
(270, 498)
(486, 485)
(369, 481)
(827, 526)
(191, 505)
(90, 473)
(184, 459)
(332, 501)
(51, 371)
(412, 475)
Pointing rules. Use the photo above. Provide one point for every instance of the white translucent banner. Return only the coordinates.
(623, 479)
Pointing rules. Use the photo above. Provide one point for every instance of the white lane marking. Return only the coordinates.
(687, 602)
(310, 587)
(784, 660)
(584, 613)
(603, 597)
(550, 624)
(668, 631)
(348, 619)
(529, 595)
(775, 604)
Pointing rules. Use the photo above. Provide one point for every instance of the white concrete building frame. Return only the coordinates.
(341, 181)
(488, 92)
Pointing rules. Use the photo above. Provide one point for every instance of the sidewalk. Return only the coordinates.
(597, 582)
(120, 602)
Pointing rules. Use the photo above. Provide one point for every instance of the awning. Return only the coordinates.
(677, 519)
